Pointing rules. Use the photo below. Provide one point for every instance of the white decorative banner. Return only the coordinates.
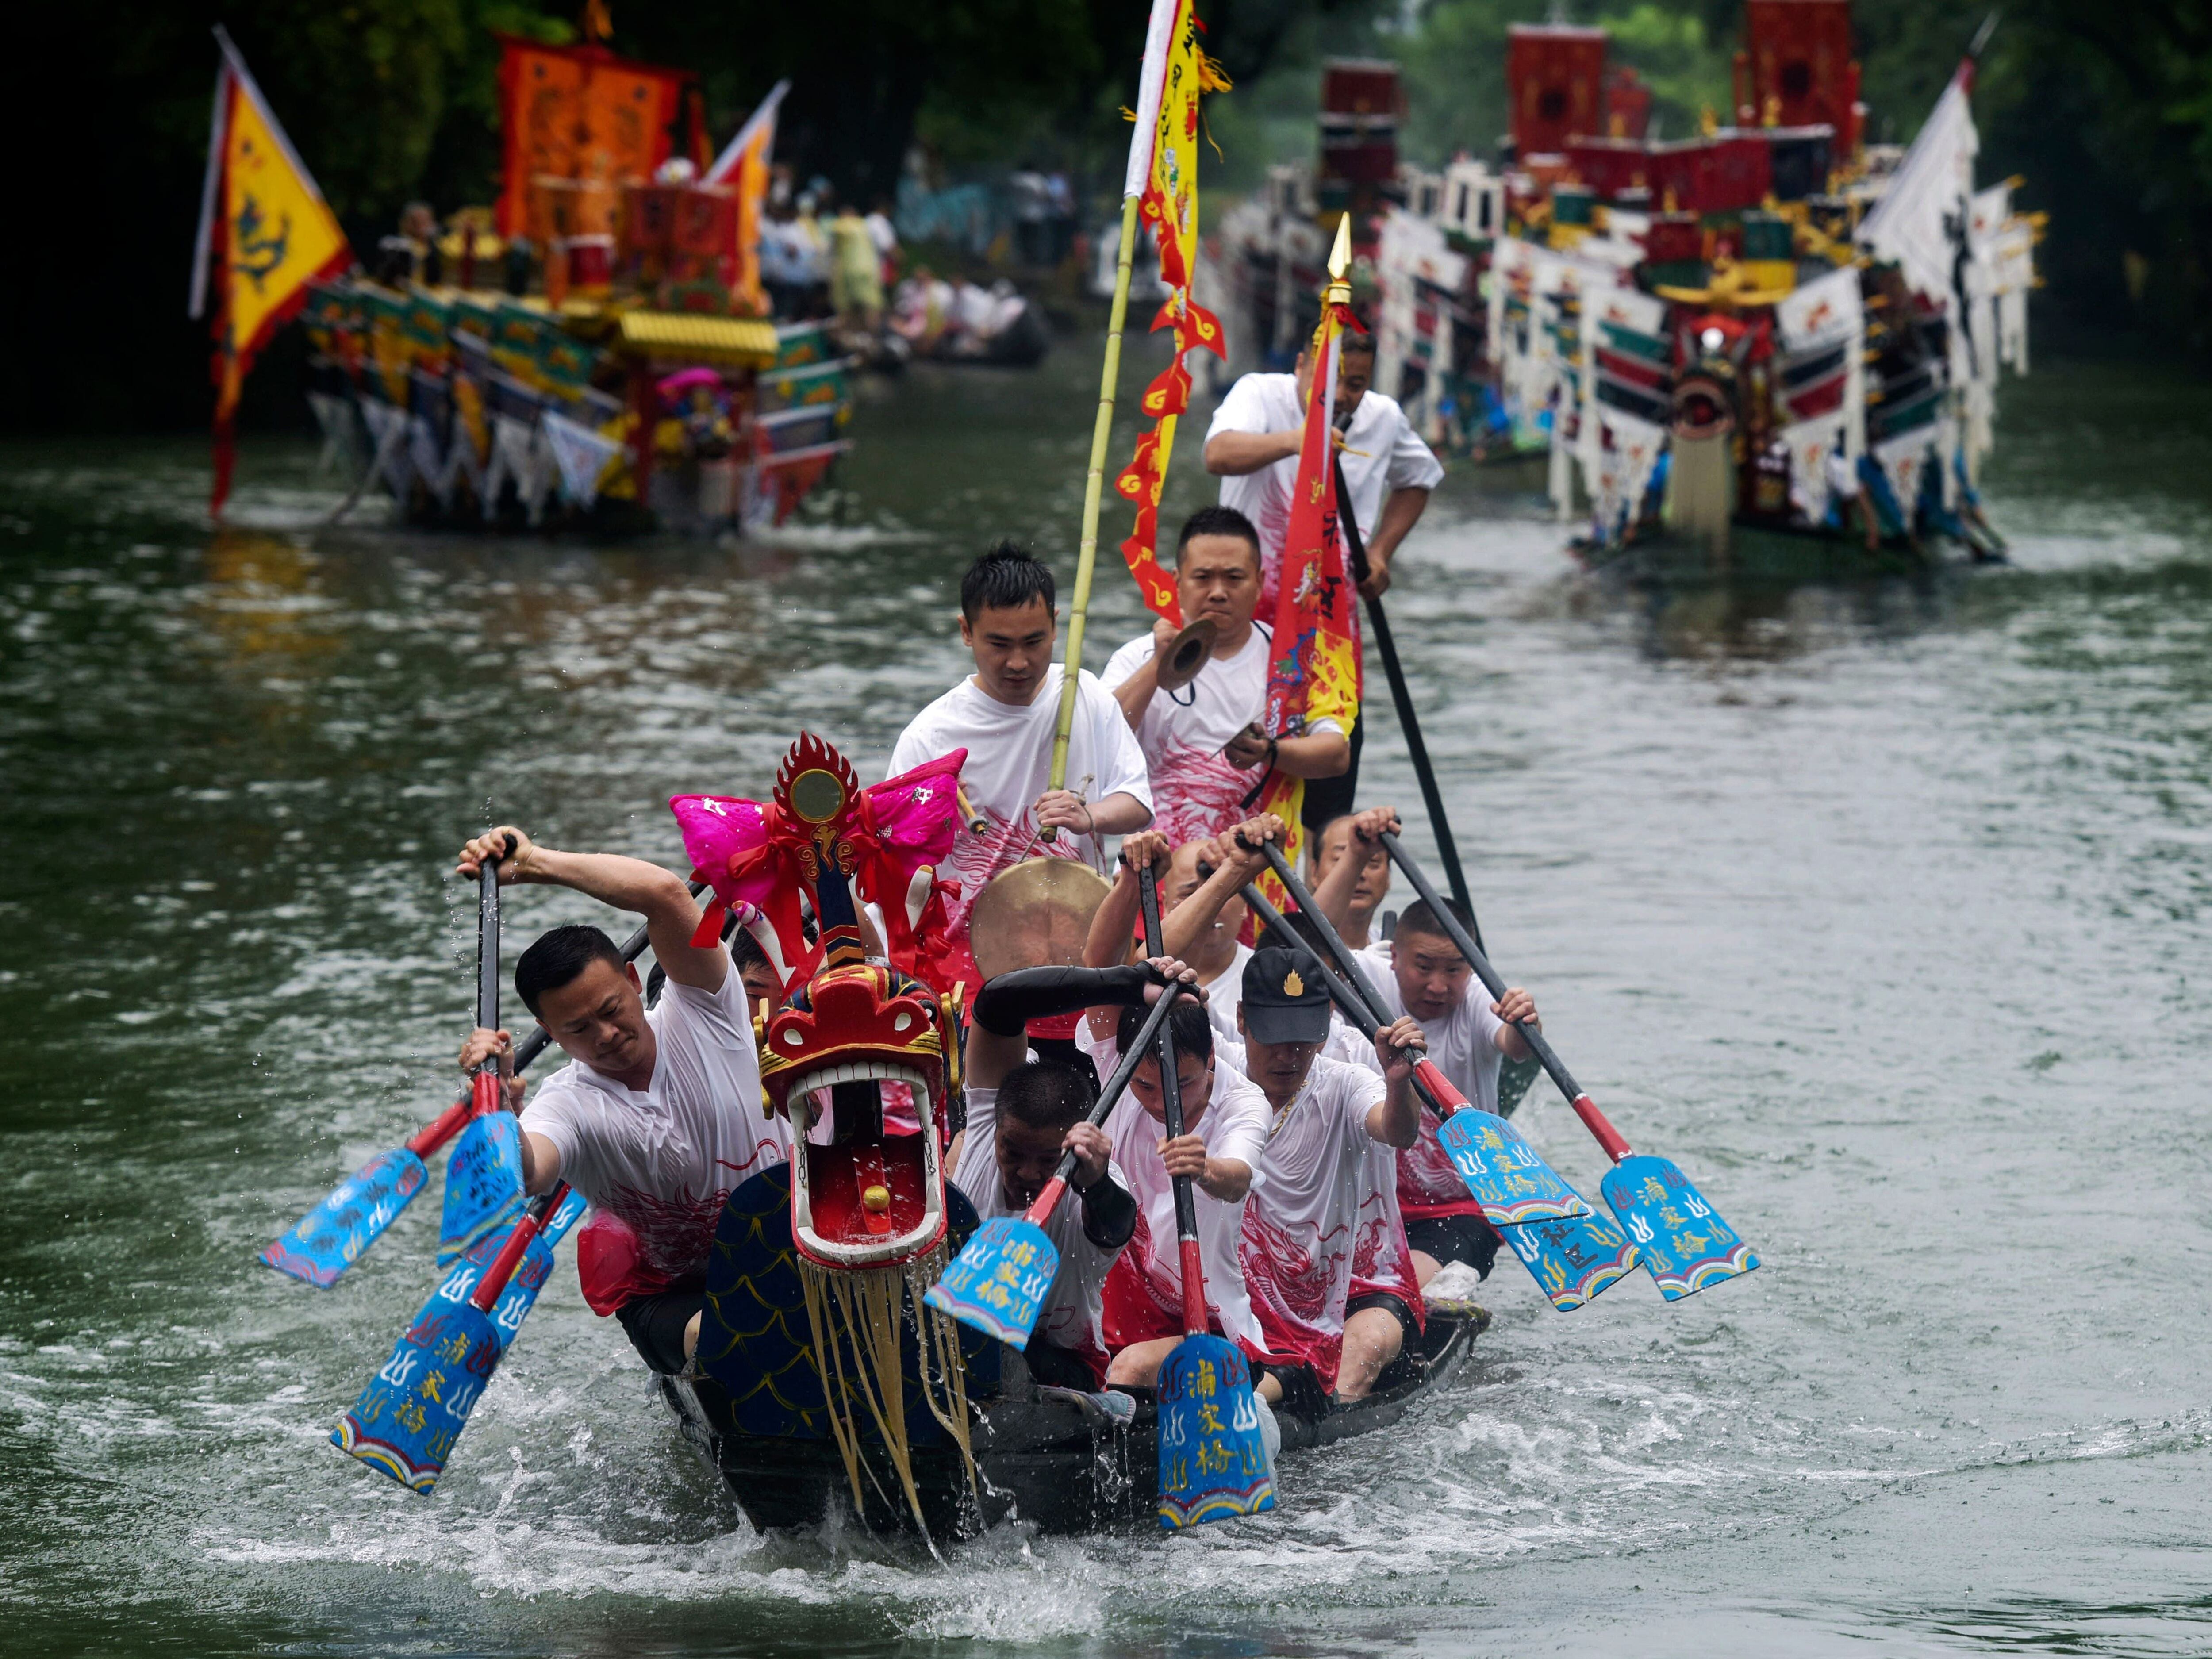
(335, 416)
(513, 458)
(1625, 464)
(388, 427)
(1903, 459)
(1810, 443)
(435, 472)
(581, 455)
(1922, 217)
(1627, 308)
(1821, 312)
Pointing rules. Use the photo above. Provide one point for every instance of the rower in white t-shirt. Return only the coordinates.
(1225, 1126)
(1419, 971)
(1023, 1114)
(1326, 1260)
(1004, 715)
(656, 1119)
(1252, 445)
(1224, 1129)
(1204, 743)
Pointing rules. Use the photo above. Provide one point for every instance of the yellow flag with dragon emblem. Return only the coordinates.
(265, 234)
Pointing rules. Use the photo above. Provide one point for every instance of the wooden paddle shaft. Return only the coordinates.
(1048, 1196)
(1186, 1208)
(1417, 750)
(1086, 555)
(490, 1288)
(1353, 975)
(488, 960)
(1616, 1148)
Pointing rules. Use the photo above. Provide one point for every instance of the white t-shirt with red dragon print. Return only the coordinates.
(663, 1159)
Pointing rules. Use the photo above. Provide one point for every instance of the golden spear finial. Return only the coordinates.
(1339, 264)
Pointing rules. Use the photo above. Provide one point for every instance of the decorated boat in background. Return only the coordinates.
(593, 350)
(1770, 349)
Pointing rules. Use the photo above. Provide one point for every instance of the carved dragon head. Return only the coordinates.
(854, 1039)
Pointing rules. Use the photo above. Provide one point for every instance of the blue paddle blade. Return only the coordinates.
(1213, 1463)
(413, 1410)
(483, 1184)
(1503, 1173)
(323, 1242)
(998, 1283)
(1575, 1261)
(1681, 1238)
(521, 1295)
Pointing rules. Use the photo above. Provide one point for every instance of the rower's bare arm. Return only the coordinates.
(1318, 755)
(623, 884)
(1335, 890)
(1395, 1120)
(1120, 814)
(1235, 858)
(1515, 1006)
(541, 1164)
(1226, 1178)
(1233, 454)
(1134, 694)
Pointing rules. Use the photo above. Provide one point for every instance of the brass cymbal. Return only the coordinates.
(1036, 915)
(1187, 654)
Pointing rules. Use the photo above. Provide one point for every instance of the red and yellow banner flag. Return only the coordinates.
(1169, 206)
(580, 113)
(265, 233)
(1313, 671)
(743, 164)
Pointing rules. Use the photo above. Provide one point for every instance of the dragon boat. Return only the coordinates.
(824, 1382)
(1709, 343)
(594, 349)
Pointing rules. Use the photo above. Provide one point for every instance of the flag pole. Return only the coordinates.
(1086, 555)
(1150, 90)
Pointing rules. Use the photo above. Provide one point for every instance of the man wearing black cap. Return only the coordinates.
(1325, 1261)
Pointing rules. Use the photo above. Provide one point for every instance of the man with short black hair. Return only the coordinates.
(1204, 743)
(1324, 1250)
(1349, 880)
(1419, 971)
(1253, 446)
(1004, 715)
(656, 1119)
(1022, 1115)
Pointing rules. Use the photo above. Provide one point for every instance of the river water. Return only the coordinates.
(1874, 907)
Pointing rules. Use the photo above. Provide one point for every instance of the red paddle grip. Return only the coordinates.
(1047, 1200)
(510, 1255)
(1193, 1289)
(443, 1128)
(1608, 1136)
(1448, 1099)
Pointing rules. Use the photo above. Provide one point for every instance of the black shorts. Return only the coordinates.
(1394, 1306)
(655, 1326)
(1466, 1239)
